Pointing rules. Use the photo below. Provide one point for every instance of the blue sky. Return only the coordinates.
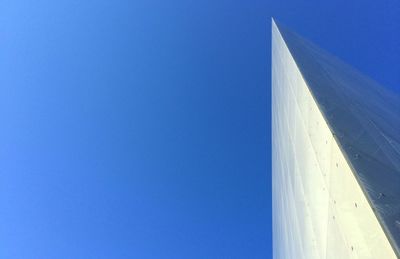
(141, 129)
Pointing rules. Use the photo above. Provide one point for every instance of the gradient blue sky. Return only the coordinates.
(141, 129)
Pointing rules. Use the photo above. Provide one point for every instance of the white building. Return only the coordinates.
(335, 156)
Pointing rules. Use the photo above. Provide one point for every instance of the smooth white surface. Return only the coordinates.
(319, 210)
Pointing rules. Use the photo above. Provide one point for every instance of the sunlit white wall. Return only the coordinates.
(319, 210)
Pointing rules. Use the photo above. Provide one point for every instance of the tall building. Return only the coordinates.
(335, 156)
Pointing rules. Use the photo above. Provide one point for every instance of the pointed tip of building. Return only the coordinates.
(273, 22)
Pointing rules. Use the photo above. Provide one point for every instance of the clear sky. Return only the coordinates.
(141, 129)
